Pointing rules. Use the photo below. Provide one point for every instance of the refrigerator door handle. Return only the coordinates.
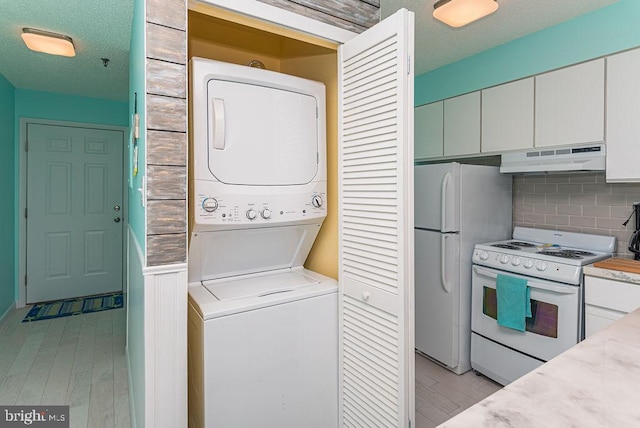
(443, 264)
(443, 201)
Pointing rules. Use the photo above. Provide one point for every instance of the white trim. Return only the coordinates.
(164, 269)
(278, 16)
(9, 309)
(22, 203)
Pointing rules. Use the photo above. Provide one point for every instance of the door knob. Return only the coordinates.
(116, 208)
(117, 219)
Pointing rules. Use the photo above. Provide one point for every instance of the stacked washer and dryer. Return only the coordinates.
(262, 329)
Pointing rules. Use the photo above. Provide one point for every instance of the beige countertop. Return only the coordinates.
(594, 384)
(612, 274)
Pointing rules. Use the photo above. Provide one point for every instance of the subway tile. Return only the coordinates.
(518, 180)
(621, 212)
(599, 232)
(523, 208)
(601, 178)
(534, 218)
(524, 188)
(596, 211)
(558, 199)
(632, 198)
(610, 223)
(621, 235)
(557, 179)
(546, 188)
(598, 189)
(544, 209)
(582, 178)
(534, 179)
(611, 200)
(622, 248)
(534, 199)
(518, 218)
(569, 209)
(625, 188)
(555, 219)
(570, 188)
(545, 226)
(582, 221)
(580, 199)
(572, 229)
(517, 198)
(522, 224)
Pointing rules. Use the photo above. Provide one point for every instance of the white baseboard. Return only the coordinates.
(9, 309)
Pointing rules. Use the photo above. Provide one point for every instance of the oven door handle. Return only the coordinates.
(560, 289)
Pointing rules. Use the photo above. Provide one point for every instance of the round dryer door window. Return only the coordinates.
(261, 136)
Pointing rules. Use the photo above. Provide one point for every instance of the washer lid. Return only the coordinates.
(258, 286)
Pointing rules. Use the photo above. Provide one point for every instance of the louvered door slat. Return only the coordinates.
(375, 162)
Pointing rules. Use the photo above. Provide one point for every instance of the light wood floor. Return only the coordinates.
(441, 394)
(77, 361)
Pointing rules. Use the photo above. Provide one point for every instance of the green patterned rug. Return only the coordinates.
(68, 307)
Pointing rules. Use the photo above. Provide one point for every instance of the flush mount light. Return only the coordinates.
(457, 13)
(47, 42)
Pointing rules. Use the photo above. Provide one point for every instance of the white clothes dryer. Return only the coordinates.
(263, 345)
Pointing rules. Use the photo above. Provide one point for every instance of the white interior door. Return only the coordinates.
(74, 230)
(375, 158)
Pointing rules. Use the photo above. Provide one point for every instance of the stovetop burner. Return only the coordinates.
(507, 246)
(565, 254)
(578, 252)
(522, 244)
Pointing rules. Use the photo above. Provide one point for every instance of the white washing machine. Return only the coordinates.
(263, 346)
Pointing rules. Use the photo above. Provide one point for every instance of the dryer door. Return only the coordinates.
(261, 136)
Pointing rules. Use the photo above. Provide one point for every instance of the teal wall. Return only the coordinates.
(604, 31)
(136, 256)
(8, 252)
(137, 85)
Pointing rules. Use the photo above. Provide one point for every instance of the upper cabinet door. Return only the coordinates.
(623, 117)
(507, 117)
(375, 229)
(570, 105)
(462, 125)
(429, 127)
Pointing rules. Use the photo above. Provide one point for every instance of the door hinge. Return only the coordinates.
(26, 146)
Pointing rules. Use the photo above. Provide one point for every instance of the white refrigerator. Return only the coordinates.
(456, 207)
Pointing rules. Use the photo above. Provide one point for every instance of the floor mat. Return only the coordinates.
(68, 307)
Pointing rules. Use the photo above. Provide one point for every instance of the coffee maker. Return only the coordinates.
(634, 241)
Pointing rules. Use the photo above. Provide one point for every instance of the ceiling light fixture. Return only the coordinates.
(457, 13)
(48, 42)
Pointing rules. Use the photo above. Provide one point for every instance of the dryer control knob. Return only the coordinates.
(210, 205)
(316, 201)
(266, 213)
(251, 214)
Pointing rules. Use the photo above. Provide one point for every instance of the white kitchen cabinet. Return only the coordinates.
(462, 125)
(429, 127)
(623, 114)
(507, 116)
(569, 105)
(606, 301)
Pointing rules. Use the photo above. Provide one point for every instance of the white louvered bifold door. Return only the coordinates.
(375, 158)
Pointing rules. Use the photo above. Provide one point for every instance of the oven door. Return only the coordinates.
(553, 327)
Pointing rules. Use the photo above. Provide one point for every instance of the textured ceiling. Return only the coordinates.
(438, 44)
(99, 29)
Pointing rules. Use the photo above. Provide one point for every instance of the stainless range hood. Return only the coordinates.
(553, 160)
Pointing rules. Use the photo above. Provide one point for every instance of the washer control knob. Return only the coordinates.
(516, 261)
(316, 201)
(266, 213)
(251, 214)
(528, 263)
(541, 266)
(504, 259)
(210, 205)
(484, 255)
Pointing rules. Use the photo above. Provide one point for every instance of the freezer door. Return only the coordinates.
(437, 197)
(437, 297)
(261, 136)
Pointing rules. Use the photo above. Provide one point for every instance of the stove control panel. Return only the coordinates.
(523, 265)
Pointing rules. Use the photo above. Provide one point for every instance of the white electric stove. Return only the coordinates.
(551, 262)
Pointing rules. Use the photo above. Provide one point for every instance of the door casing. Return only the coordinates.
(21, 255)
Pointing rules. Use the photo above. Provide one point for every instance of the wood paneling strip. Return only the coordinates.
(314, 14)
(355, 11)
(167, 44)
(166, 78)
(166, 182)
(166, 249)
(166, 217)
(166, 114)
(168, 13)
(166, 148)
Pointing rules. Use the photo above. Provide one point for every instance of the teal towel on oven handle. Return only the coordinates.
(514, 301)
